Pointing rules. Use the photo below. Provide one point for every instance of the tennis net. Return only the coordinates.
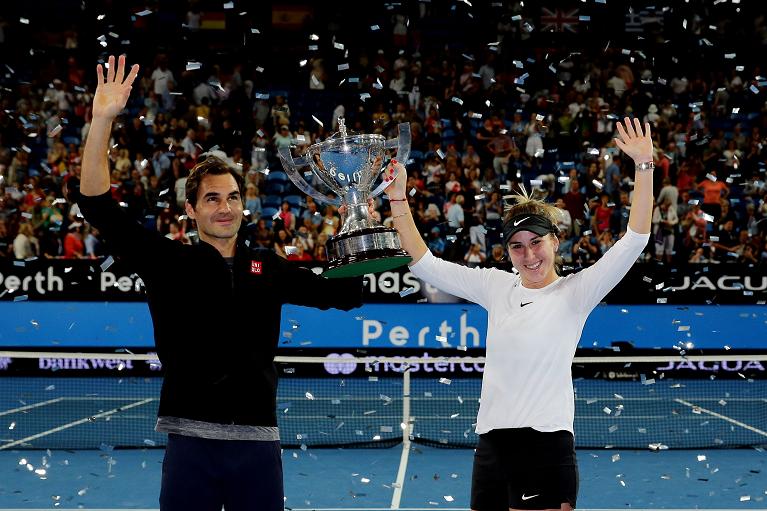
(99, 400)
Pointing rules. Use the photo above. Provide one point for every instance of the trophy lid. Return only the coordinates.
(343, 139)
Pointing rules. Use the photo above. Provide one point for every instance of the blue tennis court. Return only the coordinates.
(434, 478)
(93, 421)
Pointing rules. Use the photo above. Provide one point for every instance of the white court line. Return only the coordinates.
(723, 417)
(29, 407)
(401, 471)
(407, 430)
(75, 423)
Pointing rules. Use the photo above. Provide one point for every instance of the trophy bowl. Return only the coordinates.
(349, 165)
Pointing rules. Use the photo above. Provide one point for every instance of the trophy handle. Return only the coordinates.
(291, 167)
(402, 143)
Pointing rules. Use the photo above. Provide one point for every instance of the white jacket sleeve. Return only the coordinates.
(593, 283)
(467, 283)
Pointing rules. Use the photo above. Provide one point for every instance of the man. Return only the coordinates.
(219, 410)
(455, 215)
(502, 147)
(713, 192)
(612, 179)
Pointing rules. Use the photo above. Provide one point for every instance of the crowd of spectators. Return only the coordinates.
(478, 135)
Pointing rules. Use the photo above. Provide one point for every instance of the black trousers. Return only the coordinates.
(203, 475)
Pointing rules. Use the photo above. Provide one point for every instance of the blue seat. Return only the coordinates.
(272, 201)
(275, 187)
(277, 175)
(294, 200)
(268, 213)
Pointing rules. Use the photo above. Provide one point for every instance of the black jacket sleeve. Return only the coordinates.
(301, 286)
(124, 237)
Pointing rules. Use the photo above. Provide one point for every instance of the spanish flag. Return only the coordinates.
(290, 17)
(212, 21)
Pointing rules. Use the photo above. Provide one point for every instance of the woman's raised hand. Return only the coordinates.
(633, 142)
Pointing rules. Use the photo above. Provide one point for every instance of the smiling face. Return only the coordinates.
(218, 211)
(534, 256)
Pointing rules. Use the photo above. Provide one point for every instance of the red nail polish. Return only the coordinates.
(394, 162)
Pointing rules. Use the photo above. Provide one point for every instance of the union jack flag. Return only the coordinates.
(559, 20)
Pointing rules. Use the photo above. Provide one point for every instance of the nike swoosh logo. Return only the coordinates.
(520, 221)
(523, 304)
(526, 497)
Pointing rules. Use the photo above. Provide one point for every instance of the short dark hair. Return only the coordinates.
(211, 165)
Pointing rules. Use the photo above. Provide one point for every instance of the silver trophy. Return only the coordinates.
(349, 165)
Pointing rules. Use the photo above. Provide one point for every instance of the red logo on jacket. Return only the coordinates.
(255, 267)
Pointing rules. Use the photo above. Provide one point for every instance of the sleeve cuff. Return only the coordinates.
(422, 263)
(635, 235)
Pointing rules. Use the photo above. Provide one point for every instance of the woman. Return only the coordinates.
(602, 213)
(281, 241)
(535, 319)
(25, 245)
(253, 202)
(287, 217)
(320, 252)
(474, 256)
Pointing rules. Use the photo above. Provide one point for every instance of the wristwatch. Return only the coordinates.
(645, 165)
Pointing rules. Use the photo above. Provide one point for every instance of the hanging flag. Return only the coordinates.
(290, 17)
(637, 21)
(213, 21)
(559, 20)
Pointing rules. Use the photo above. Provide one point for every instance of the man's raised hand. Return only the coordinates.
(113, 91)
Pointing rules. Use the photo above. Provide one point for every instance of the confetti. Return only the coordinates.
(446, 381)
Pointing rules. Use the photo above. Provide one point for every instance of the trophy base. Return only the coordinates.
(359, 266)
(370, 250)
